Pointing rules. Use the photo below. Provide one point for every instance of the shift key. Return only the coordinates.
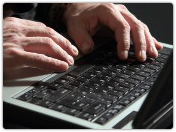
(95, 108)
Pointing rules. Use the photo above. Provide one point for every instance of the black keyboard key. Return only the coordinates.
(112, 83)
(141, 91)
(24, 97)
(113, 111)
(59, 108)
(110, 73)
(77, 95)
(69, 102)
(135, 69)
(106, 102)
(127, 85)
(68, 77)
(89, 75)
(33, 91)
(40, 95)
(48, 92)
(101, 120)
(133, 81)
(149, 83)
(137, 77)
(115, 93)
(124, 76)
(118, 79)
(71, 111)
(52, 98)
(85, 116)
(144, 74)
(107, 87)
(81, 104)
(150, 71)
(100, 91)
(122, 89)
(54, 86)
(77, 83)
(45, 103)
(115, 69)
(34, 100)
(128, 72)
(118, 107)
(125, 102)
(136, 94)
(95, 108)
(104, 77)
(153, 67)
(82, 79)
(164, 56)
(107, 116)
(61, 81)
(92, 96)
(131, 98)
(76, 72)
(160, 64)
(160, 59)
(110, 97)
(146, 87)
(61, 92)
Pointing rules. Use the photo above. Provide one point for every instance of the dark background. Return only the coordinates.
(157, 16)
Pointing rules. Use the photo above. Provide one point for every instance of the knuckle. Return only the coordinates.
(145, 27)
(13, 51)
(15, 39)
(40, 57)
(108, 7)
(126, 27)
(40, 24)
(122, 7)
(48, 41)
(143, 46)
(126, 45)
(10, 18)
(138, 25)
(13, 27)
(50, 31)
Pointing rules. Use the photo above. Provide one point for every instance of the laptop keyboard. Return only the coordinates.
(100, 87)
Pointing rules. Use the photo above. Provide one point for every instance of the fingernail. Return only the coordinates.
(143, 55)
(75, 50)
(153, 49)
(124, 55)
(86, 48)
(71, 60)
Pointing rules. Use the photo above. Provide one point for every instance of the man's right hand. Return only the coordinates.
(29, 43)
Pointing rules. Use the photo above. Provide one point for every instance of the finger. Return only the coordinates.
(119, 25)
(158, 45)
(26, 22)
(82, 38)
(56, 37)
(151, 49)
(138, 35)
(43, 62)
(47, 46)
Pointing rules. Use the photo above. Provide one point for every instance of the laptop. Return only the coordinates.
(99, 92)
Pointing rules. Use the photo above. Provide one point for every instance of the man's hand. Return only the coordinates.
(29, 43)
(83, 20)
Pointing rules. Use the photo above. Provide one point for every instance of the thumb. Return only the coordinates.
(82, 38)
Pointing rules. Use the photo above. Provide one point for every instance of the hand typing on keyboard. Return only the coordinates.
(83, 20)
(34, 44)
